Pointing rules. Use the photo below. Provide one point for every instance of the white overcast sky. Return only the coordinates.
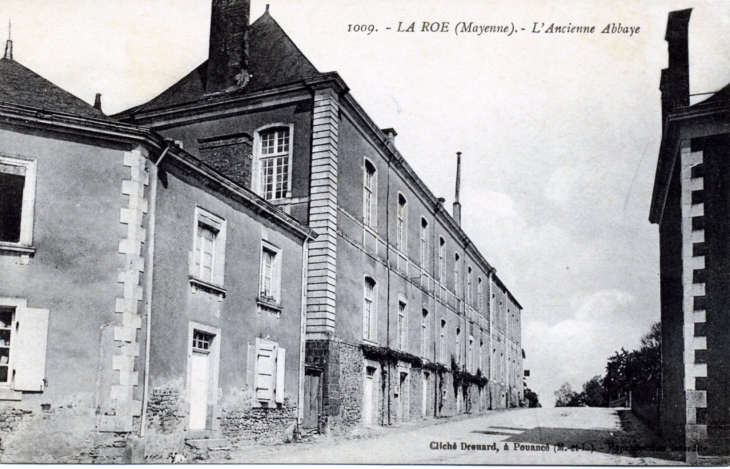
(559, 133)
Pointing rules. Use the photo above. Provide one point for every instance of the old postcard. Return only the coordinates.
(384, 232)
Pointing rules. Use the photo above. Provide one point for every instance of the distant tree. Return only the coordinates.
(639, 369)
(566, 397)
(532, 398)
(594, 394)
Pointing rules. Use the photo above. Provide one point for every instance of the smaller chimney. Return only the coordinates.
(390, 133)
(9, 44)
(97, 101)
(674, 83)
(457, 205)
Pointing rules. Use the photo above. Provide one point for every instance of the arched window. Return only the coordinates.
(400, 239)
(370, 183)
(272, 172)
(424, 243)
(468, 285)
(480, 295)
(457, 283)
(442, 342)
(369, 310)
(424, 332)
(442, 261)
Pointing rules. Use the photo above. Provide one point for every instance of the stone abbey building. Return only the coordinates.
(244, 258)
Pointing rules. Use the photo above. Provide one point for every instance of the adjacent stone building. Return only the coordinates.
(146, 300)
(690, 205)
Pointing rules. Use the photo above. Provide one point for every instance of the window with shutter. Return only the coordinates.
(208, 255)
(270, 372)
(23, 339)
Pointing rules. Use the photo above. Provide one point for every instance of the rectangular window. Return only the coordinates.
(369, 195)
(208, 248)
(17, 200)
(457, 346)
(402, 325)
(275, 163)
(202, 341)
(424, 333)
(401, 224)
(205, 251)
(369, 312)
(269, 299)
(270, 373)
(7, 319)
(470, 356)
(424, 243)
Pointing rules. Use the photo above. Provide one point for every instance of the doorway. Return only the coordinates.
(312, 399)
(368, 404)
(200, 379)
(424, 394)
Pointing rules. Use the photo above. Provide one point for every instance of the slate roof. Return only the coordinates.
(274, 60)
(20, 85)
(721, 96)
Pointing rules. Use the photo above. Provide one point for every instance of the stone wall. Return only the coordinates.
(243, 425)
(351, 386)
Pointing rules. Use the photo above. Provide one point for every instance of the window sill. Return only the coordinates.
(371, 342)
(17, 250)
(266, 306)
(371, 229)
(7, 394)
(197, 284)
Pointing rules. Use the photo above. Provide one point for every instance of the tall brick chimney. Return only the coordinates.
(228, 52)
(675, 78)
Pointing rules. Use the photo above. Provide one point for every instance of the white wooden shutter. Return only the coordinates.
(280, 374)
(265, 357)
(29, 348)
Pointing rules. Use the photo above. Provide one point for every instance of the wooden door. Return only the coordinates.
(368, 401)
(199, 391)
(312, 399)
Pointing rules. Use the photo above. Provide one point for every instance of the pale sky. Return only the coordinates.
(559, 132)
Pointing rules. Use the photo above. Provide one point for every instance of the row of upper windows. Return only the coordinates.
(370, 329)
(369, 220)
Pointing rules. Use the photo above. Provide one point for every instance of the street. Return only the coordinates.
(542, 436)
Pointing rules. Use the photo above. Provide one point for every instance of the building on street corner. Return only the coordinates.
(241, 260)
(690, 206)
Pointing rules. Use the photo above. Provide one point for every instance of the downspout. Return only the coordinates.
(491, 332)
(303, 332)
(148, 296)
(387, 261)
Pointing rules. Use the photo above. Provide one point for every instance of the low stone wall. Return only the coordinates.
(244, 425)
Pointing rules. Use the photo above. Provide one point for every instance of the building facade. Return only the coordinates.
(690, 207)
(244, 259)
(146, 300)
(405, 317)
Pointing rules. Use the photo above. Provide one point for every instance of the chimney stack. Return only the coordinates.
(457, 206)
(675, 78)
(390, 133)
(97, 101)
(228, 51)
(9, 44)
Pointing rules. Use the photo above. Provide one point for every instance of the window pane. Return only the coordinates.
(11, 205)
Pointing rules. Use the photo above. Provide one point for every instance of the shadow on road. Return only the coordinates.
(634, 439)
